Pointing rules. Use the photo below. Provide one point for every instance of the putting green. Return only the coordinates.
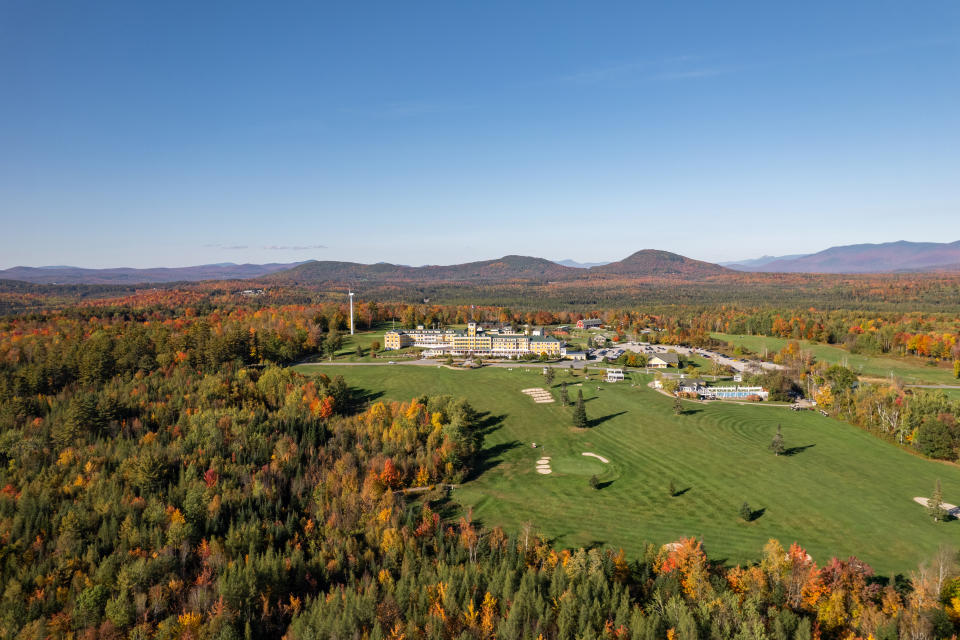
(579, 466)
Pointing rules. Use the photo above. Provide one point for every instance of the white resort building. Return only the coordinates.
(475, 340)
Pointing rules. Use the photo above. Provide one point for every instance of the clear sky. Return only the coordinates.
(164, 133)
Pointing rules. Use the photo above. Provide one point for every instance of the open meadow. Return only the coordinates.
(910, 369)
(838, 491)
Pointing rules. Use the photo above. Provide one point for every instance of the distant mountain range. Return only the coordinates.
(746, 265)
(888, 257)
(126, 275)
(891, 257)
(579, 265)
(648, 262)
(506, 269)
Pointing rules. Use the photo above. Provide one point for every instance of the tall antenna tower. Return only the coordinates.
(351, 311)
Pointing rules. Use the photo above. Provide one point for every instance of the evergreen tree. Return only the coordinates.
(672, 489)
(677, 405)
(746, 513)
(564, 398)
(580, 412)
(333, 342)
(548, 376)
(594, 482)
(935, 440)
(935, 504)
(777, 444)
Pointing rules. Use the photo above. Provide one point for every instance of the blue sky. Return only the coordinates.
(176, 133)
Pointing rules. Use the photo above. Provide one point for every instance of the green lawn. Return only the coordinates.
(911, 370)
(843, 493)
(348, 351)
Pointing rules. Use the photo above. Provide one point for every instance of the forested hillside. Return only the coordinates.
(162, 476)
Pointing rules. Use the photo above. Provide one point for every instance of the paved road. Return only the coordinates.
(933, 386)
(426, 362)
(385, 363)
(598, 355)
(596, 359)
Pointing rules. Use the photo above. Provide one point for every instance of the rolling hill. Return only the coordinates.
(646, 263)
(651, 262)
(507, 268)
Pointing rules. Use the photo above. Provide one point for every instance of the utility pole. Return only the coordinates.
(351, 311)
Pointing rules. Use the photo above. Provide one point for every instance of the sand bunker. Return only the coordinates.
(543, 465)
(600, 458)
(951, 509)
(540, 396)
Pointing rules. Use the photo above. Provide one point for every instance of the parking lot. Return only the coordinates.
(736, 364)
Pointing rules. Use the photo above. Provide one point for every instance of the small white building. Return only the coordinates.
(615, 375)
(663, 360)
(736, 392)
(698, 387)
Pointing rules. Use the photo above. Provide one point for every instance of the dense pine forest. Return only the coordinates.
(162, 475)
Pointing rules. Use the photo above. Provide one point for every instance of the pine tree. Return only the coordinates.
(672, 489)
(777, 444)
(746, 513)
(580, 412)
(935, 504)
(548, 375)
(677, 405)
(564, 398)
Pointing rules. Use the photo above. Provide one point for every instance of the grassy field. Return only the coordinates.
(911, 370)
(841, 492)
(953, 394)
